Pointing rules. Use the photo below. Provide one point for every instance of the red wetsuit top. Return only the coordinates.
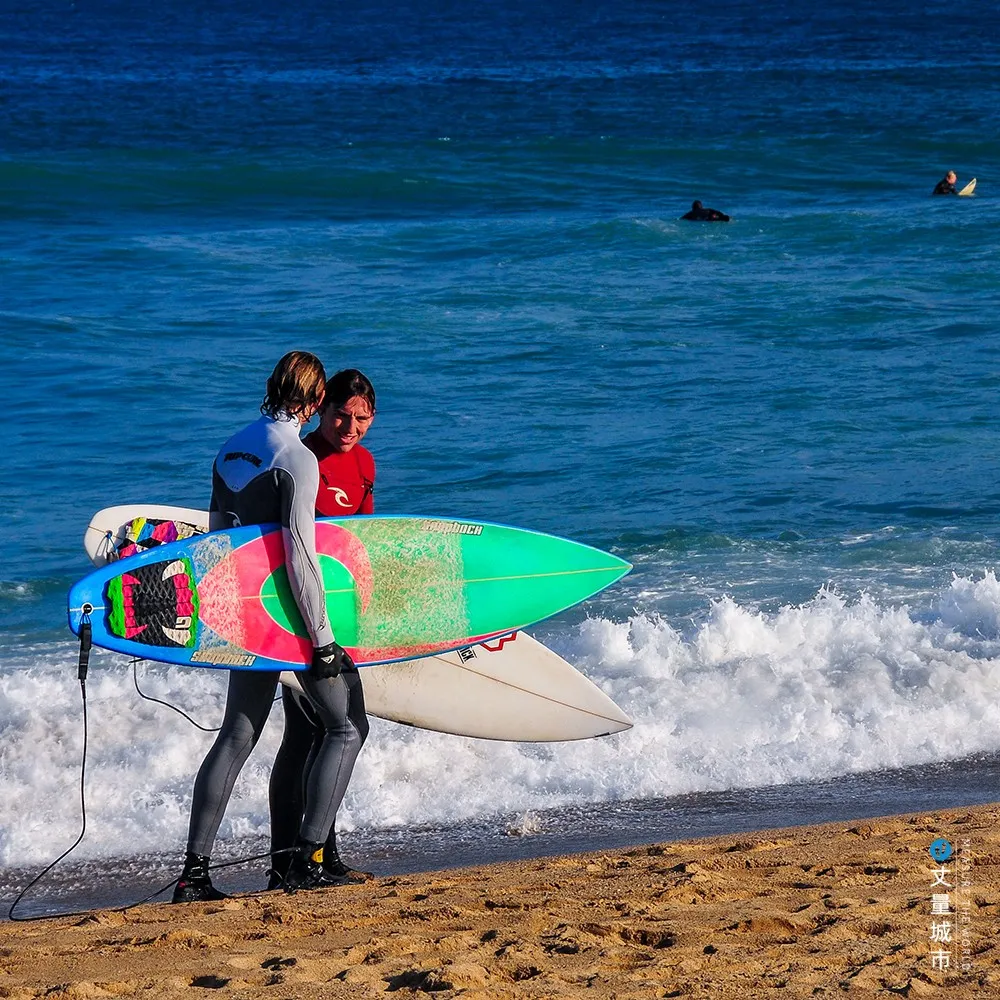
(346, 479)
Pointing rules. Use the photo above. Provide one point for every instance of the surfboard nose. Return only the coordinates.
(619, 721)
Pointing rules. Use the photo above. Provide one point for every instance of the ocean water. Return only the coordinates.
(787, 423)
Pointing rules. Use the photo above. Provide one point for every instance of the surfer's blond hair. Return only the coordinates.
(297, 383)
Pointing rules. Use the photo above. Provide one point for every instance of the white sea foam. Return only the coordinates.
(743, 698)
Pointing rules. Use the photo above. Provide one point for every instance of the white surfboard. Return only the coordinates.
(969, 188)
(108, 527)
(510, 688)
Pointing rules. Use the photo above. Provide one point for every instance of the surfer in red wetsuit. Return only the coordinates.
(346, 467)
(346, 486)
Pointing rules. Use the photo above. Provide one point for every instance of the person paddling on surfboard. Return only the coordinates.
(346, 485)
(947, 184)
(699, 213)
(265, 474)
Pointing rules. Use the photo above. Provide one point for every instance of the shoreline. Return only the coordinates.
(114, 882)
(839, 907)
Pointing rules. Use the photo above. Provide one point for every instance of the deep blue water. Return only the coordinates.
(788, 423)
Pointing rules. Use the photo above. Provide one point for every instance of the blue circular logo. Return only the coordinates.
(941, 850)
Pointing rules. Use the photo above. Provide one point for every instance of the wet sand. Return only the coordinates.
(843, 908)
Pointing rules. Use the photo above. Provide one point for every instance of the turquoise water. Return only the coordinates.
(788, 423)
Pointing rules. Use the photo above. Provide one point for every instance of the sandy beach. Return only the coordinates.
(856, 908)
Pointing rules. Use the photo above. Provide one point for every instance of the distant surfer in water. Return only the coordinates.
(947, 184)
(699, 213)
(346, 486)
(265, 474)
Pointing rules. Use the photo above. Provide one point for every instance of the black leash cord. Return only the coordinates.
(166, 704)
(84, 663)
(82, 667)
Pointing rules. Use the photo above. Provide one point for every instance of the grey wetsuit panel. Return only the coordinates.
(262, 475)
(265, 474)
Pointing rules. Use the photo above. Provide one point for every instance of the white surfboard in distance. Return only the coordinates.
(511, 688)
(968, 189)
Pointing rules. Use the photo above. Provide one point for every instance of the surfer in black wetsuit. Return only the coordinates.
(947, 184)
(699, 213)
(265, 474)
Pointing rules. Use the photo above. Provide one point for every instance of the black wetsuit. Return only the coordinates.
(944, 186)
(293, 774)
(348, 477)
(265, 474)
(705, 215)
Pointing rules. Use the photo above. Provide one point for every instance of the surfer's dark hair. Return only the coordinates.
(347, 384)
(297, 382)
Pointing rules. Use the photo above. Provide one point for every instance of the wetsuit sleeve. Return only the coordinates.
(214, 514)
(298, 482)
(217, 519)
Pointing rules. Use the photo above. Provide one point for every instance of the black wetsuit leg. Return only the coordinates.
(301, 736)
(248, 704)
(339, 704)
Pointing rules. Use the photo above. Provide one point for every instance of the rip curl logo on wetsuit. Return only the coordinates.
(155, 604)
(339, 496)
(452, 527)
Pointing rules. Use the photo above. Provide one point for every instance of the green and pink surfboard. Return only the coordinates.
(396, 588)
